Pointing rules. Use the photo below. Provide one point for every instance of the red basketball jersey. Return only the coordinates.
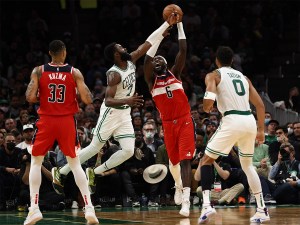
(169, 97)
(57, 90)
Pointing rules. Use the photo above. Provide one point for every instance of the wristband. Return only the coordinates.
(210, 95)
(181, 34)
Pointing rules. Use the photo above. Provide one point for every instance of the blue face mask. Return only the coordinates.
(267, 121)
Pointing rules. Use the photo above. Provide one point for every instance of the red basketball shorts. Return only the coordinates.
(179, 137)
(51, 128)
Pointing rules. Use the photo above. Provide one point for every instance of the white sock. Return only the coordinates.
(253, 180)
(80, 179)
(186, 193)
(35, 179)
(176, 173)
(206, 198)
(120, 156)
(84, 154)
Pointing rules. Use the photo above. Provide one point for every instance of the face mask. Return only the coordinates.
(145, 119)
(10, 146)
(136, 114)
(290, 130)
(149, 135)
(125, 56)
(204, 128)
(267, 121)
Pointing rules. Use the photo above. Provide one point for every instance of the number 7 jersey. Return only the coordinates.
(57, 91)
(169, 97)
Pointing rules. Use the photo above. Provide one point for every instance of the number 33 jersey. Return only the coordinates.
(57, 90)
(169, 97)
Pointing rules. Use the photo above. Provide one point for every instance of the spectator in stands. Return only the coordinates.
(295, 139)
(2, 118)
(2, 136)
(9, 170)
(261, 159)
(149, 131)
(274, 147)
(268, 117)
(27, 136)
(285, 172)
(293, 101)
(270, 134)
(196, 117)
(137, 121)
(10, 124)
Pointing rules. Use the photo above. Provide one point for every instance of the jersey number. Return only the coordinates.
(130, 89)
(169, 92)
(57, 97)
(239, 87)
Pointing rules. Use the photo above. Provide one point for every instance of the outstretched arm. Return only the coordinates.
(83, 90)
(33, 86)
(181, 56)
(157, 34)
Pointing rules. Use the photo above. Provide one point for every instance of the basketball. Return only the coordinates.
(172, 8)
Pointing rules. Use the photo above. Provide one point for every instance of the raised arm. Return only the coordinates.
(33, 86)
(83, 90)
(181, 55)
(113, 79)
(256, 100)
(157, 34)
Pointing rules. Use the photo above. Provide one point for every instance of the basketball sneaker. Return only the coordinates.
(90, 215)
(90, 174)
(33, 216)
(206, 213)
(178, 195)
(58, 181)
(261, 215)
(185, 208)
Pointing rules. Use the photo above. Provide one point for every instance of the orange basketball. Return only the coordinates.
(172, 8)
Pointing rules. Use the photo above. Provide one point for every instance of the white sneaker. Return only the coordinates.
(90, 215)
(178, 195)
(260, 216)
(206, 213)
(185, 208)
(74, 205)
(33, 216)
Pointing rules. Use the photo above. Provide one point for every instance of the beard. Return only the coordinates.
(125, 56)
(160, 70)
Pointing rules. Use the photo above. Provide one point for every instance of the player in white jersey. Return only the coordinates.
(232, 91)
(115, 119)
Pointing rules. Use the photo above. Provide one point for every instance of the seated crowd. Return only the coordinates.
(277, 162)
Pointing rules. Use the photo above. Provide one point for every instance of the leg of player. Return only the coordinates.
(84, 154)
(186, 183)
(127, 145)
(175, 170)
(261, 214)
(82, 184)
(206, 182)
(35, 179)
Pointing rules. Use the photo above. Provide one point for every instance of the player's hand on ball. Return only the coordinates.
(173, 19)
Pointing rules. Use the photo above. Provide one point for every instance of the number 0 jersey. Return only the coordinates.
(57, 90)
(169, 97)
(232, 91)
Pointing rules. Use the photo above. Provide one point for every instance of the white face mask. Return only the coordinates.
(149, 135)
(290, 130)
(278, 139)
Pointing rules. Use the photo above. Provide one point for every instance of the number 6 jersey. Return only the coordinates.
(57, 90)
(169, 97)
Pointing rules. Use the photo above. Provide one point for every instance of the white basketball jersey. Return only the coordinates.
(126, 87)
(232, 91)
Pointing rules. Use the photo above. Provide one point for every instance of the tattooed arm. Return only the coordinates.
(33, 86)
(84, 92)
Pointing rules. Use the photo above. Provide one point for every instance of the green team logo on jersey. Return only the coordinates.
(128, 83)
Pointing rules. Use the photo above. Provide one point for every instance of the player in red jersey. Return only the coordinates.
(172, 103)
(55, 85)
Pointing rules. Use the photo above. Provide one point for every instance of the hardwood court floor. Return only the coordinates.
(161, 216)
